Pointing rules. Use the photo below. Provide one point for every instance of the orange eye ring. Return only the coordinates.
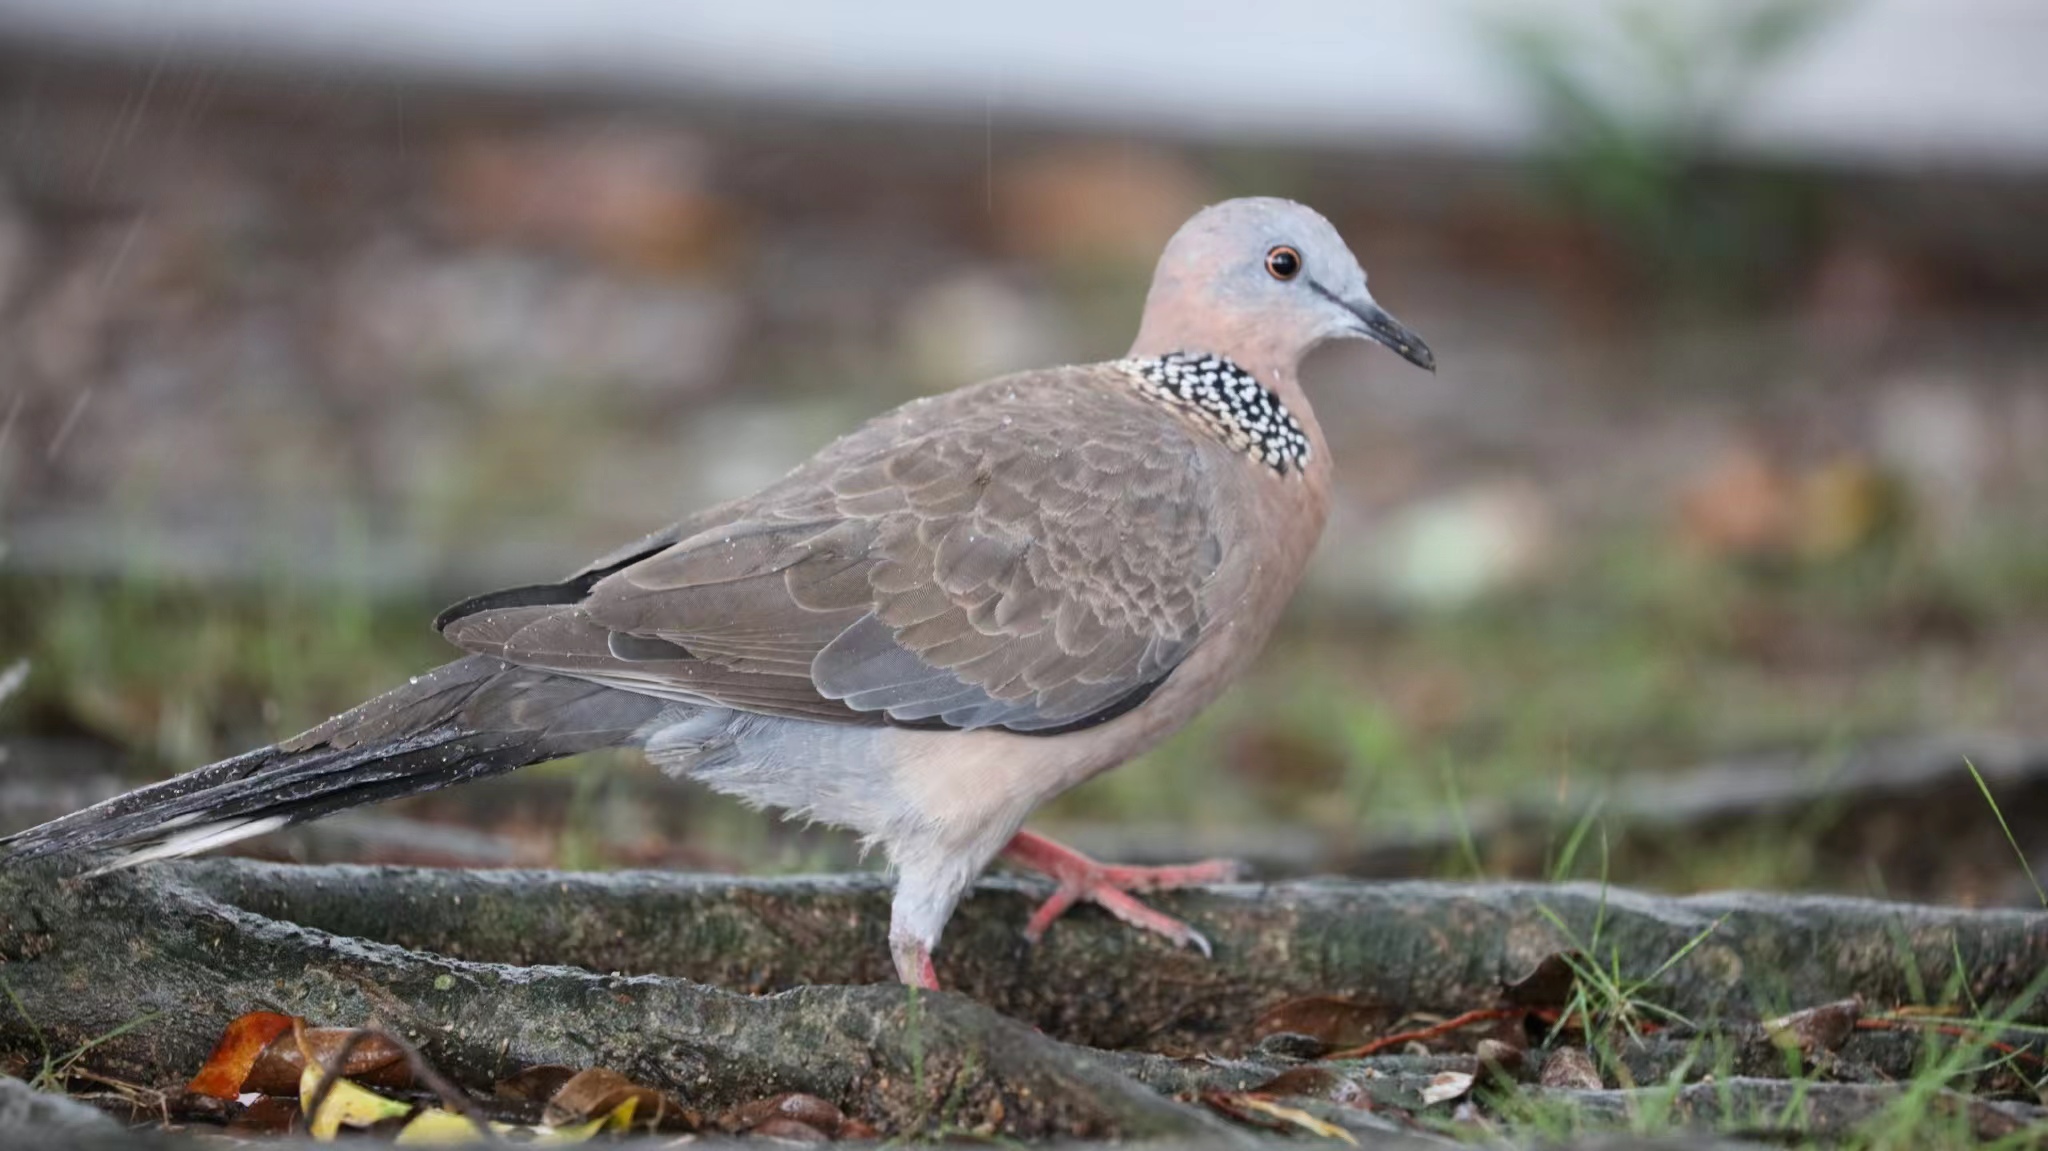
(1283, 263)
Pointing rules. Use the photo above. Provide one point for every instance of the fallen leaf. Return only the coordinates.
(1816, 1029)
(266, 1115)
(374, 1061)
(598, 1091)
(1549, 985)
(619, 1118)
(437, 1128)
(790, 1131)
(1334, 1022)
(790, 1105)
(1296, 1117)
(245, 1039)
(1445, 1086)
(1314, 1083)
(346, 1105)
(535, 1084)
(1570, 1068)
(1502, 1060)
(851, 1128)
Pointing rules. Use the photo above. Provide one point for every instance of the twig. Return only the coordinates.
(1953, 1031)
(452, 1097)
(1430, 1032)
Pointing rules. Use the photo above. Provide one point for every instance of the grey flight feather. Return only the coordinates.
(1025, 554)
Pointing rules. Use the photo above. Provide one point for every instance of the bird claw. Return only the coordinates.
(1109, 887)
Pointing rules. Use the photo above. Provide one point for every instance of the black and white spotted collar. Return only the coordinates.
(1229, 402)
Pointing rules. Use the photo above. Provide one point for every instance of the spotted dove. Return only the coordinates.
(963, 608)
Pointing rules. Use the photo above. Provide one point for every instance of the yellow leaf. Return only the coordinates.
(619, 1118)
(435, 1127)
(346, 1105)
(1296, 1116)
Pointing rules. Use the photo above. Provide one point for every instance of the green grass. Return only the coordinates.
(2006, 828)
(54, 1071)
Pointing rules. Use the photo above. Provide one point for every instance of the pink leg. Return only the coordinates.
(914, 966)
(1081, 878)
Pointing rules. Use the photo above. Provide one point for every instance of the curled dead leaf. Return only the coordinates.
(806, 1109)
(241, 1043)
(1500, 1060)
(789, 1131)
(1548, 985)
(373, 1061)
(599, 1091)
(1816, 1029)
(1332, 1022)
(536, 1084)
(266, 1115)
(1314, 1083)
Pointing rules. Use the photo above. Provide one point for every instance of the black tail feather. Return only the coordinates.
(470, 719)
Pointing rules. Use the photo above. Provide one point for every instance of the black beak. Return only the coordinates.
(1387, 330)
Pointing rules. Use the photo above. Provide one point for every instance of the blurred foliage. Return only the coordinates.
(1634, 658)
(1634, 655)
(1635, 110)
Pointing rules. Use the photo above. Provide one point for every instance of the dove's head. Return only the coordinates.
(1262, 281)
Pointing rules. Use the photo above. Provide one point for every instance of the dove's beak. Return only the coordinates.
(1374, 323)
(1377, 325)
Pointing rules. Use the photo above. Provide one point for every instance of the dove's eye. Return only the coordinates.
(1284, 262)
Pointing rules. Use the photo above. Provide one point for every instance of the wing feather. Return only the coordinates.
(1032, 553)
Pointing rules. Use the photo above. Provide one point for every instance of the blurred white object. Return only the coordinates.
(1887, 81)
(1443, 551)
(974, 325)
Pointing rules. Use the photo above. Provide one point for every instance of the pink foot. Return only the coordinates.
(1080, 877)
(914, 965)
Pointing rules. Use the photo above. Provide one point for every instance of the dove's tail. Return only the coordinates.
(469, 719)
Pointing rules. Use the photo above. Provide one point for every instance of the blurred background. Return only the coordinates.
(1715, 549)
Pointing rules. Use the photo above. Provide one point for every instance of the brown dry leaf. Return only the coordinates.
(1315, 1083)
(375, 1061)
(1501, 1060)
(599, 1092)
(1294, 1116)
(268, 1115)
(1744, 506)
(1334, 1022)
(789, 1131)
(1570, 1068)
(1548, 985)
(535, 1084)
(619, 1118)
(806, 1109)
(1816, 1029)
(240, 1045)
